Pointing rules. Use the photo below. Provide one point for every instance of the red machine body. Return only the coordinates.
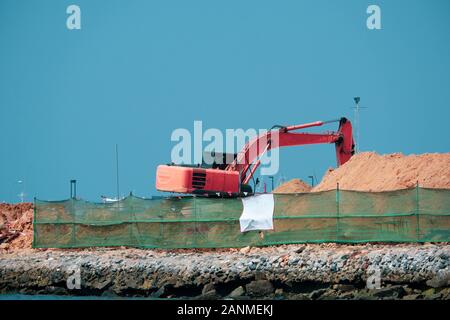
(182, 179)
(232, 179)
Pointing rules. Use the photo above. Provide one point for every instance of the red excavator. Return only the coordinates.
(229, 175)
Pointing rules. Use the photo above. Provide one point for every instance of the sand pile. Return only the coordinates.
(16, 231)
(368, 171)
(293, 186)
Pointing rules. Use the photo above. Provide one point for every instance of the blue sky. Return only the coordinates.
(137, 70)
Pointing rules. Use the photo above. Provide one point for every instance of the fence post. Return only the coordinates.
(337, 212)
(34, 223)
(195, 222)
(131, 219)
(74, 222)
(160, 240)
(417, 212)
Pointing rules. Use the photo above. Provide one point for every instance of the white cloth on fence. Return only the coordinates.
(257, 213)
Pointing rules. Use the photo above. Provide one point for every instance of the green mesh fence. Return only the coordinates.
(411, 215)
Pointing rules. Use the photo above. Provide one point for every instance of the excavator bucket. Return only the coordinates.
(345, 146)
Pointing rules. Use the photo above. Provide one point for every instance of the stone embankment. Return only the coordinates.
(322, 271)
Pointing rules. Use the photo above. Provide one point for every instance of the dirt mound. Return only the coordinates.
(293, 186)
(368, 171)
(16, 231)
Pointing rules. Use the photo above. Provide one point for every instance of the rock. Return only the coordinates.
(344, 287)
(363, 295)
(147, 284)
(238, 292)
(299, 296)
(109, 293)
(329, 294)
(428, 292)
(317, 293)
(445, 293)
(210, 295)
(392, 291)
(245, 250)
(408, 290)
(435, 296)
(208, 287)
(260, 276)
(101, 285)
(441, 279)
(157, 294)
(56, 290)
(346, 295)
(300, 250)
(259, 288)
(279, 292)
(4, 246)
(444, 256)
(412, 297)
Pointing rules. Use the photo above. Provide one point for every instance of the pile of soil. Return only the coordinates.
(371, 172)
(16, 230)
(293, 186)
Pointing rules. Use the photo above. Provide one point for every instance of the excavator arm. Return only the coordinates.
(247, 164)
